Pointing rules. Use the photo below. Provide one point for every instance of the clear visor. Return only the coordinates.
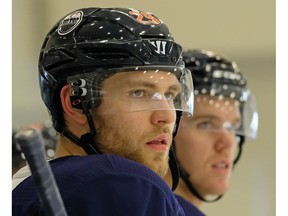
(237, 114)
(136, 89)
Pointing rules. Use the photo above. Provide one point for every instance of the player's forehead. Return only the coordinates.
(149, 78)
(213, 105)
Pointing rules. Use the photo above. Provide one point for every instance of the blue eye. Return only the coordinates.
(170, 95)
(138, 93)
(205, 125)
(231, 127)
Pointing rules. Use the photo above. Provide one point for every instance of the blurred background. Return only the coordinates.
(243, 30)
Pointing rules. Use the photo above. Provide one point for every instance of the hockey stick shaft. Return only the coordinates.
(32, 145)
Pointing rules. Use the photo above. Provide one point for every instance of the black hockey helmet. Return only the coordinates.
(103, 40)
(215, 75)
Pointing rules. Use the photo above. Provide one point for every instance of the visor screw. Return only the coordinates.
(173, 59)
(147, 57)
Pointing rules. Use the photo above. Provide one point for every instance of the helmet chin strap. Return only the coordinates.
(185, 176)
(172, 158)
(241, 142)
(174, 169)
(86, 141)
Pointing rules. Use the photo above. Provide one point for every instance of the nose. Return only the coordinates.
(225, 140)
(164, 112)
(162, 117)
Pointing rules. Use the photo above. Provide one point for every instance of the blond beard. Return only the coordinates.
(119, 145)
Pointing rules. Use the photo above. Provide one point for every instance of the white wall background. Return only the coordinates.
(243, 30)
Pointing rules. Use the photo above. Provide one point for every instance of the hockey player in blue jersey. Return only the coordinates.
(209, 144)
(115, 85)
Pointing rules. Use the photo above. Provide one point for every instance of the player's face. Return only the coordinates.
(129, 124)
(205, 148)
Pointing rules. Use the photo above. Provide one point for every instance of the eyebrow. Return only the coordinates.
(213, 117)
(136, 83)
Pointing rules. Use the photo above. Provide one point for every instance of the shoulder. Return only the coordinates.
(107, 184)
(87, 168)
(110, 181)
(124, 194)
(20, 175)
(188, 207)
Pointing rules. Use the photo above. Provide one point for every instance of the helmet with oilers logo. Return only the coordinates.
(219, 83)
(91, 44)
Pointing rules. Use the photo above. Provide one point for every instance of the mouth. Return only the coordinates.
(159, 143)
(221, 166)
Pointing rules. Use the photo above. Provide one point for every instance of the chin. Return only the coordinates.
(159, 166)
(214, 188)
(160, 169)
(218, 190)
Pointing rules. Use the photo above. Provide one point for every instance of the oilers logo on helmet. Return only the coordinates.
(70, 22)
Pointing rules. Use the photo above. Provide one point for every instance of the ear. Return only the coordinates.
(74, 114)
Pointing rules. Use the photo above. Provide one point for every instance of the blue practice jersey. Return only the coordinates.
(189, 208)
(101, 185)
